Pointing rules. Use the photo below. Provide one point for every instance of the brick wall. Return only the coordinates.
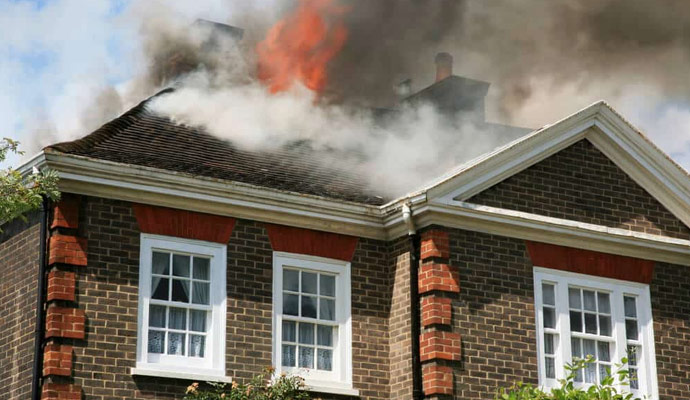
(19, 250)
(581, 184)
(107, 291)
(399, 322)
(494, 313)
(671, 310)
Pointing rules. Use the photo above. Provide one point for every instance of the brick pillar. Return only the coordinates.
(65, 322)
(439, 284)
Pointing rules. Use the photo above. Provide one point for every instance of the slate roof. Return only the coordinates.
(140, 137)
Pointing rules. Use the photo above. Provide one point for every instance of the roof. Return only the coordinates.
(143, 138)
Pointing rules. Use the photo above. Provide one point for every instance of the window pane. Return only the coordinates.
(632, 356)
(290, 304)
(604, 303)
(180, 291)
(200, 295)
(575, 321)
(157, 316)
(576, 347)
(630, 309)
(160, 263)
(631, 329)
(289, 331)
(327, 287)
(176, 343)
(548, 343)
(288, 355)
(634, 380)
(327, 309)
(591, 323)
(604, 325)
(159, 288)
(290, 280)
(591, 373)
(308, 282)
(548, 295)
(550, 368)
(196, 345)
(589, 300)
(197, 321)
(589, 348)
(156, 342)
(306, 333)
(324, 335)
(308, 306)
(604, 353)
(325, 360)
(201, 268)
(178, 318)
(578, 375)
(180, 265)
(574, 298)
(603, 372)
(306, 357)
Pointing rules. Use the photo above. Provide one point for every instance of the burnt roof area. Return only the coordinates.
(143, 138)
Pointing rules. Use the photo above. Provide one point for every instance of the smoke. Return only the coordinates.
(544, 59)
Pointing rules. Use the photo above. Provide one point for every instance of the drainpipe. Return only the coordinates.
(40, 302)
(414, 243)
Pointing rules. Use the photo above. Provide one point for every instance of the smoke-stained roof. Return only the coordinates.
(140, 137)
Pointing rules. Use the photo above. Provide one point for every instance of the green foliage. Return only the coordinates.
(261, 387)
(606, 390)
(21, 194)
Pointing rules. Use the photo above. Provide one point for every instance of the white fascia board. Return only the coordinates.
(521, 225)
(82, 175)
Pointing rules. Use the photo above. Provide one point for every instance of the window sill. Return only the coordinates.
(191, 376)
(330, 388)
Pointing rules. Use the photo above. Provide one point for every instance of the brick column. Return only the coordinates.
(439, 346)
(65, 322)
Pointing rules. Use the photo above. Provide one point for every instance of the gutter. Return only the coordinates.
(40, 302)
(414, 243)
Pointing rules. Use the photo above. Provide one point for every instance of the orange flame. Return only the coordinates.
(299, 47)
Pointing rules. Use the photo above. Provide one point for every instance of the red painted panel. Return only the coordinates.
(184, 224)
(314, 243)
(590, 262)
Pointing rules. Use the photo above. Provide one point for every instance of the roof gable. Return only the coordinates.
(608, 132)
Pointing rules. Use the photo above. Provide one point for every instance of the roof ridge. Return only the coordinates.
(107, 130)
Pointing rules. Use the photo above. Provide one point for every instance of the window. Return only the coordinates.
(580, 315)
(182, 305)
(311, 323)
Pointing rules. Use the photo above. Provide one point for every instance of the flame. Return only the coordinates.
(299, 47)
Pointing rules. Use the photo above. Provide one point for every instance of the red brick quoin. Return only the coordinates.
(61, 285)
(66, 212)
(436, 311)
(439, 345)
(438, 379)
(65, 322)
(67, 249)
(57, 360)
(442, 277)
(61, 391)
(434, 244)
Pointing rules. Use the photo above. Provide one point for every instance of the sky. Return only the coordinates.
(56, 54)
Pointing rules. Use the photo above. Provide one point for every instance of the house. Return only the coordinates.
(174, 257)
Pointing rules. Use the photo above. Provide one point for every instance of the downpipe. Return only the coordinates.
(414, 244)
(40, 302)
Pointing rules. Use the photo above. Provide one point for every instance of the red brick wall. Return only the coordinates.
(107, 291)
(399, 322)
(581, 184)
(19, 249)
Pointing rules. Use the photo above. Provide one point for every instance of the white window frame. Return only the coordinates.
(617, 289)
(339, 380)
(212, 366)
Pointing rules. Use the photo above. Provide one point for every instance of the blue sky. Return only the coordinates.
(56, 54)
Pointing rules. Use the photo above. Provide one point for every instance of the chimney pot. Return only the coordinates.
(444, 66)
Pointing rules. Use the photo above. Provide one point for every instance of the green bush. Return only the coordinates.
(568, 391)
(261, 387)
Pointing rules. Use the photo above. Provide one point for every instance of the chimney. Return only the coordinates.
(444, 66)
